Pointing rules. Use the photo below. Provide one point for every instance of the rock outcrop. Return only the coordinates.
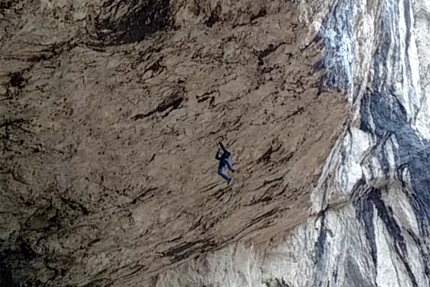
(372, 203)
(112, 112)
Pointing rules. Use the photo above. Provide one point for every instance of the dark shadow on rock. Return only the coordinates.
(5, 275)
(141, 19)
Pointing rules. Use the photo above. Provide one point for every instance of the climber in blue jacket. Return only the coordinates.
(224, 161)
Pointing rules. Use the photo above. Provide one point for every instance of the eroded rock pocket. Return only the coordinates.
(168, 105)
(121, 22)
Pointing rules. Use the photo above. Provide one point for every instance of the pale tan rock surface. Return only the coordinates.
(108, 170)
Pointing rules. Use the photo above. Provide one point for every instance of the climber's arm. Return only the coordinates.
(217, 156)
(223, 148)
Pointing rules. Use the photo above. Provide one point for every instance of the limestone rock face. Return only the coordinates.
(111, 112)
(111, 116)
(372, 202)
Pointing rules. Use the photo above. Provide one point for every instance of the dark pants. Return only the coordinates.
(224, 163)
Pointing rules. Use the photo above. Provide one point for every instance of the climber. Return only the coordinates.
(224, 160)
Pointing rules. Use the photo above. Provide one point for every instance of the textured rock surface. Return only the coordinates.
(372, 204)
(111, 113)
(109, 125)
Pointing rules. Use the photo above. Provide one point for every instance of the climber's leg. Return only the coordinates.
(229, 164)
(222, 174)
